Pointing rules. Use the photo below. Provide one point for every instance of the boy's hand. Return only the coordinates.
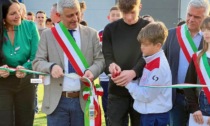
(114, 69)
(124, 78)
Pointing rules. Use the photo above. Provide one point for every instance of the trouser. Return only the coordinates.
(118, 109)
(16, 101)
(179, 115)
(67, 113)
(160, 119)
(105, 85)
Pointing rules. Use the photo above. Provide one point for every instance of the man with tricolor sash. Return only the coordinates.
(70, 48)
(181, 44)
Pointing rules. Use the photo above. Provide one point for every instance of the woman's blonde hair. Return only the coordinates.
(204, 25)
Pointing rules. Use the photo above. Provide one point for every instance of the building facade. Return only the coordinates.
(168, 11)
(95, 14)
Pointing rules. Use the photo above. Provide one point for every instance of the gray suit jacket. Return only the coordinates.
(50, 52)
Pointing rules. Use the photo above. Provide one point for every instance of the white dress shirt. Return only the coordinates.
(68, 83)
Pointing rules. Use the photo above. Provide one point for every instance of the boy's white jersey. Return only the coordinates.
(153, 100)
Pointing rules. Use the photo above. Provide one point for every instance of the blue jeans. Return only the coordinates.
(105, 85)
(119, 107)
(160, 119)
(67, 113)
(179, 115)
(204, 105)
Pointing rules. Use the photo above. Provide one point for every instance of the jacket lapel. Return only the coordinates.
(84, 39)
(60, 52)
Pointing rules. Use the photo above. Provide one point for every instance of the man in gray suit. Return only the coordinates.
(58, 55)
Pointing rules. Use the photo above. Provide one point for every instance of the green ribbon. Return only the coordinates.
(23, 70)
(32, 72)
(8, 69)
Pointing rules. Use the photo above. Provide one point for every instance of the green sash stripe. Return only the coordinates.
(87, 117)
(74, 45)
(187, 33)
(206, 64)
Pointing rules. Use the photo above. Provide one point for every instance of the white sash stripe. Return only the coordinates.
(186, 42)
(86, 92)
(73, 52)
(94, 93)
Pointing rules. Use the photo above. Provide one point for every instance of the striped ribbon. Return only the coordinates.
(177, 86)
(99, 90)
(22, 70)
(92, 108)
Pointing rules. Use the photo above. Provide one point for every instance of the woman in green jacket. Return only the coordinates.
(18, 44)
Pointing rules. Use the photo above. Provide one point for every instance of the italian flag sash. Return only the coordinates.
(74, 54)
(80, 64)
(203, 71)
(186, 42)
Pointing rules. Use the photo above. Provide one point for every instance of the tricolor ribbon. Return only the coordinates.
(92, 108)
(176, 86)
(9, 69)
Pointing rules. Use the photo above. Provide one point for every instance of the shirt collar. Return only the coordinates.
(154, 56)
(199, 33)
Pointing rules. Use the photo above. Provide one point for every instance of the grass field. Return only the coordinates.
(40, 118)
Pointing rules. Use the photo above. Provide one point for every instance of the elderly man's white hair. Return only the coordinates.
(200, 4)
(67, 4)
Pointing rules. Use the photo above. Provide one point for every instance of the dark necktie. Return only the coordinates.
(70, 67)
(71, 32)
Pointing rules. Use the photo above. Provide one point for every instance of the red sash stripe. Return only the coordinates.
(181, 43)
(200, 76)
(67, 52)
